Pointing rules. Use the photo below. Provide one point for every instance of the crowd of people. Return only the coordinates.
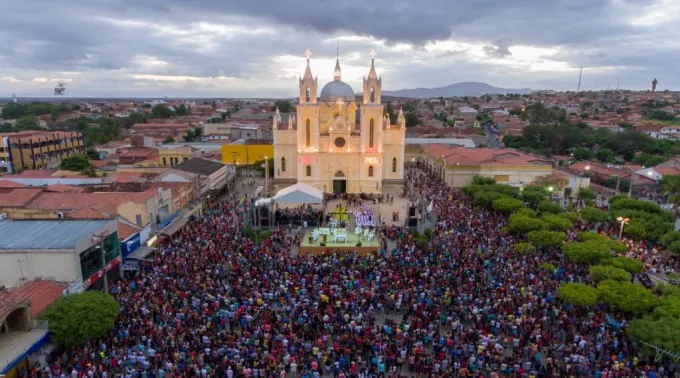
(211, 303)
(298, 216)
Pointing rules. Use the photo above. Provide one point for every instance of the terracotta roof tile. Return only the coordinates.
(125, 230)
(18, 197)
(88, 213)
(42, 294)
(667, 170)
(63, 188)
(11, 300)
(9, 184)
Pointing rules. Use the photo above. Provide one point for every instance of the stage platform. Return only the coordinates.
(315, 248)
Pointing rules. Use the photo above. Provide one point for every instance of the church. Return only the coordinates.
(334, 143)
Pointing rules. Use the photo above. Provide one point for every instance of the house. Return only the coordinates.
(204, 174)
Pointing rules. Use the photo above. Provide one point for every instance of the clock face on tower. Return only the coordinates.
(339, 142)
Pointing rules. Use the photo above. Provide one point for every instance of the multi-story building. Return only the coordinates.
(38, 149)
(169, 156)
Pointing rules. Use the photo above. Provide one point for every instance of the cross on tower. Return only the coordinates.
(308, 53)
(372, 53)
(340, 102)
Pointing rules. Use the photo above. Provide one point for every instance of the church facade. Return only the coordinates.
(336, 144)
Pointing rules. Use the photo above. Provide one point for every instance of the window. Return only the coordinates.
(372, 95)
(394, 165)
(339, 142)
(371, 132)
(370, 171)
(165, 162)
(138, 219)
(283, 164)
(185, 158)
(308, 171)
(308, 94)
(308, 134)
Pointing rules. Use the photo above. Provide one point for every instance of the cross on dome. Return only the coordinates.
(340, 102)
(308, 53)
(372, 53)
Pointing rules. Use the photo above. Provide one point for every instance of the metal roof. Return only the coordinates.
(46, 234)
(335, 90)
(469, 143)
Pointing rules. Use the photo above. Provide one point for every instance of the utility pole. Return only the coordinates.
(579, 81)
(617, 84)
(234, 155)
(21, 270)
(266, 177)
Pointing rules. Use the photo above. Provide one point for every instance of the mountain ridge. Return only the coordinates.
(461, 89)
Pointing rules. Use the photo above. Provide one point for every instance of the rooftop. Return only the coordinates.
(46, 234)
(461, 142)
(200, 166)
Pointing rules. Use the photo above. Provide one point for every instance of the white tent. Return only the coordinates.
(263, 201)
(299, 193)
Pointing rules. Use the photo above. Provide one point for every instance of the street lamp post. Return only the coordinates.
(266, 177)
(623, 221)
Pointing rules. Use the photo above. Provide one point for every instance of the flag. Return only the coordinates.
(430, 207)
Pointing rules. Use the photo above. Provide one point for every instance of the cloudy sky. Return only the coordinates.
(255, 48)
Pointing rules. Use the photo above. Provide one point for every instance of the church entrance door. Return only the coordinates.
(339, 183)
(339, 186)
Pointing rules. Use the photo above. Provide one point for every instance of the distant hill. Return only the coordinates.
(454, 90)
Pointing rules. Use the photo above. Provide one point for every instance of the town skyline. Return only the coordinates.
(128, 49)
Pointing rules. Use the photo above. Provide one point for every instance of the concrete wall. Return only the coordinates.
(58, 265)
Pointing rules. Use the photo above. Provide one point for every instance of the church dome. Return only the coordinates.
(335, 90)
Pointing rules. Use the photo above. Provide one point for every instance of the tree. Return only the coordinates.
(78, 318)
(549, 207)
(663, 333)
(593, 214)
(589, 252)
(507, 205)
(647, 160)
(578, 294)
(525, 249)
(587, 195)
(605, 155)
(162, 111)
(626, 296)
(531, 213)
(283, 105)
(669, 307)
(92, 154)
(169, 140)
(482, 180)
(544, 238)
(190, 135)
(182, 110)
(534, 195)
(74, 163)
(29, 122)
(670, 184)
(582, 153)
(602, 272)
(523, 223)
(557, 222)
(626, 263)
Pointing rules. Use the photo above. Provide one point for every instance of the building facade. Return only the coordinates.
(339, 145)
(38, 149)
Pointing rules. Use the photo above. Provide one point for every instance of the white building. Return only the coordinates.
(63, 250)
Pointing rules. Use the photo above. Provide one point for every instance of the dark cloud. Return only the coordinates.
(106, 40)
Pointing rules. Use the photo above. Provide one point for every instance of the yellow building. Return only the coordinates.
(37, 149)
(339, 146)
(171, 156)
(459, 165)
(246, 154)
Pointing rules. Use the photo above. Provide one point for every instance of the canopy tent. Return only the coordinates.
(299, 193)
(263, 201)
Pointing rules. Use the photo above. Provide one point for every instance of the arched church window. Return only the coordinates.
(308, 171)
(371, 134)
(308, 134)
(372, 95)
(394, 165)
(308, 94)
(283, 164)
(370, 171)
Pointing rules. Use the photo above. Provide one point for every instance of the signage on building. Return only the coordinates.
(99, 274)
(169, 220)
(74, 288)
(130, 244)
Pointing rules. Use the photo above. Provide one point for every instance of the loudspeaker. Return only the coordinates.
(412, 211)
(413, 222)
